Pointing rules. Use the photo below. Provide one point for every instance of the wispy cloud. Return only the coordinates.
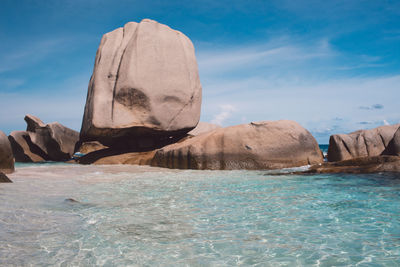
(226, 111)
(277, 52)
(372, 107)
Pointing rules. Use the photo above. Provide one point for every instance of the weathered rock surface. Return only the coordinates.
(88, 147)
(24, 150)
(261, 145)
(145, 82)
(393, 147)
(6, 154)
(41, 141)
(203, 127)
(4, 178)
(359, 165)
(111, 156)
(362, 143)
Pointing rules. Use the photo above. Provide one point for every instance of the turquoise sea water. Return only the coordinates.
(142, 216)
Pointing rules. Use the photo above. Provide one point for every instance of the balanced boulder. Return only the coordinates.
(6, 155)
(362, 143)
(145, 87)
(52, 141)
(260, 145)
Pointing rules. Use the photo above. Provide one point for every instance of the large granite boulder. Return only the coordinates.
(145, 87)
(260, 145)
(40, 141)
(203, 127)
(362, 143)
(6, 154)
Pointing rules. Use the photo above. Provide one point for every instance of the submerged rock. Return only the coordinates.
(40, 141)
(261, 145)
(6, 154)
(145, 87)
(203, 127)
(362, 143)
(4, 178)
(359, 165)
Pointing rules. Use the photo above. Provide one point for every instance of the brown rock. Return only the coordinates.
(261, 145)
(88, 147)
(112, 156)
(56, 141)
(4, 178)
(42, 142)
(23, 149)
(145, 83)
(362, 143)
(393, 147)
(203, 127)
(359, 165)
(6, 155)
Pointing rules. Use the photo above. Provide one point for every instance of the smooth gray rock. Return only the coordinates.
(362, 143)
(259, 145)
(6, 154)
(145, 86)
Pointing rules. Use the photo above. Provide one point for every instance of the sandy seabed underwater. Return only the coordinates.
(72, 215)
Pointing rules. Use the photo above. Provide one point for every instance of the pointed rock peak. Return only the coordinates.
(33, 123)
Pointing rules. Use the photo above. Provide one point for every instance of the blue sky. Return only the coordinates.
(333, 66)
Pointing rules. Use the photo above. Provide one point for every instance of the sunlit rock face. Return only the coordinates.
(255, 146)
(362, 143)
(145, 84)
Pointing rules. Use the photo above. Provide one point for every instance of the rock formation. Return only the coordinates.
(23, 148)
(52, 141)
(362, 143)
(144, 89)
(110, 156)
(91, 146)
(393, 147)
(261, 145)
(371, 164)
(6, 155)
(4, 178)
(203, 127)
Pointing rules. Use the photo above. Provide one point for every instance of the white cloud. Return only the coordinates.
(225, 113)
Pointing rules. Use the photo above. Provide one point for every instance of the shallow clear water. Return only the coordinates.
(131, 215)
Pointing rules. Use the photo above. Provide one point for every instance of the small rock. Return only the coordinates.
(4, 178)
